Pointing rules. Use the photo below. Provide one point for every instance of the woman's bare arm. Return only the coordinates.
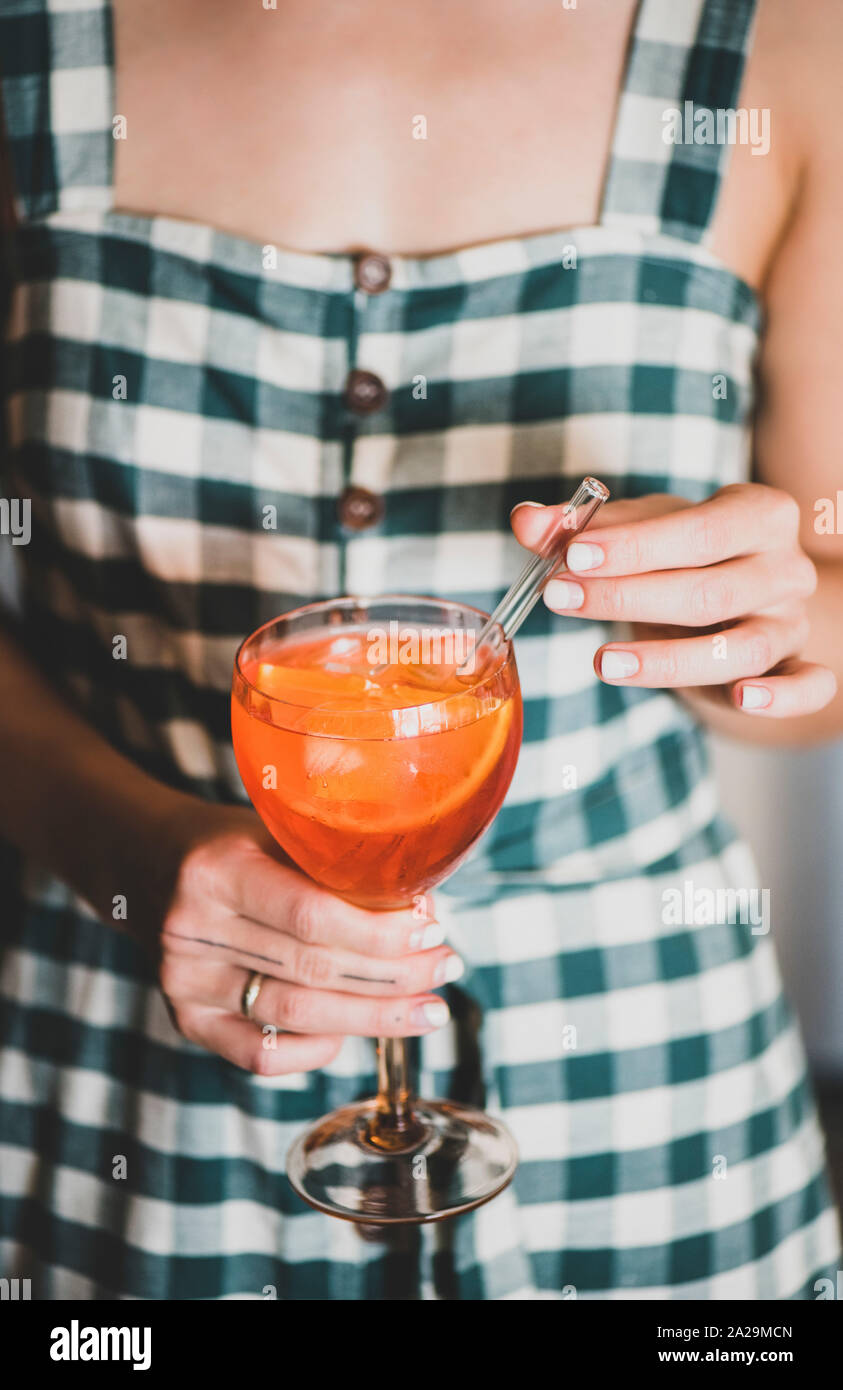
(67, 797)
(800, 421)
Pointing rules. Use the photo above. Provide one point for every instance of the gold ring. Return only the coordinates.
(250, 994)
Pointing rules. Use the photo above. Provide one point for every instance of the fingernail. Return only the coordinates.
(525, 504)
(561, 593)
(432, 1015)
(616, 665)
(448, 970)
(580, 556)
(755, 697)
(431, 935)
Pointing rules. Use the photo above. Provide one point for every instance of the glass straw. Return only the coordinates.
(525, 593)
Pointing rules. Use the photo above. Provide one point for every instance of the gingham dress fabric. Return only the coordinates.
(165, 385)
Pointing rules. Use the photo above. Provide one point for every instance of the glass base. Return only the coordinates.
(450, 1160)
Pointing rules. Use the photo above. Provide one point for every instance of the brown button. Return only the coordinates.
(372, 273)
(358, 508)
(364, 392)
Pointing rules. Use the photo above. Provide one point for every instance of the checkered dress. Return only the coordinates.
(167, 387)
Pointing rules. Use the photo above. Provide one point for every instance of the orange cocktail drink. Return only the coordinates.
(375, 778)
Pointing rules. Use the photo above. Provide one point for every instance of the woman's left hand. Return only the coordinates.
(714, 592)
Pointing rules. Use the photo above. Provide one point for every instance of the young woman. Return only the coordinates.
(309, 258)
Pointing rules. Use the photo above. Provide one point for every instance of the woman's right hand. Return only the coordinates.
(331, 969)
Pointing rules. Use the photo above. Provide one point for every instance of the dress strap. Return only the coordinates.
(676, 116)
(56, 71)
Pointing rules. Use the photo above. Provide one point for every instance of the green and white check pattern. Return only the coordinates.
(165, 387)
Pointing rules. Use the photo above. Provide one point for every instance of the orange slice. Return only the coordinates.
(298, 683)
(396, 785)
(477, 758)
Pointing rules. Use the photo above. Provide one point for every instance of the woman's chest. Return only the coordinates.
(410, 129)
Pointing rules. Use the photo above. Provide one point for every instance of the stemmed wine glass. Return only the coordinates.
(377, 777)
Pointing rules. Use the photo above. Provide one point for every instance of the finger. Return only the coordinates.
(797, 687)
(740, 520)
(687, 598)
(192, 967)
(299, 1010)
(241, 1042)
(531, 522)
(750, 648)
(255, 886)
(240, 941)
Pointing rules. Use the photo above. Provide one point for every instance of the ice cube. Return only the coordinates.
(327, 760)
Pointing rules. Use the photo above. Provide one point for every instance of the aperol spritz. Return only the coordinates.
(377, 777)
(375, 781)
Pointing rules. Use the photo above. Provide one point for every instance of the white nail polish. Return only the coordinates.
(617, 665)
(561, 593)
(434, 1015)
(431, 935)
(448, 970)
(581, 556)
(754, 697)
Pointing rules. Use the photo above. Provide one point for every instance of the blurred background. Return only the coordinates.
(788, 805)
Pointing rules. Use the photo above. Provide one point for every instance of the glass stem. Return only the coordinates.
(394, 1123)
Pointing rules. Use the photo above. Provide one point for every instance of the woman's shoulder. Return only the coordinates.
(797, 56)
(788, 95)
